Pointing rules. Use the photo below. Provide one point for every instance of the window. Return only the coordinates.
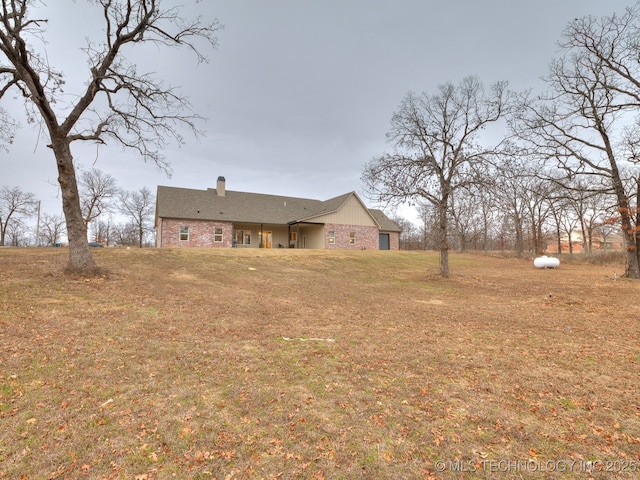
(243, 237)
(332, 237)
(352, 238)
(217, 234)
(293, 237)
(184, 234)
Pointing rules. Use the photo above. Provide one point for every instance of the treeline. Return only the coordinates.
(520, 209)
(495, 168)
(113, 216)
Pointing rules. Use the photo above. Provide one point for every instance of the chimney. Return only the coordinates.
(220, 187)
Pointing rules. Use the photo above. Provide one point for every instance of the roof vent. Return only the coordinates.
(220, 187)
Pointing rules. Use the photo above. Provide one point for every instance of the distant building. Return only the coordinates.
(221, 218)
(612, 241)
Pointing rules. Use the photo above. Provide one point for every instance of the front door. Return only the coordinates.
(265, 238)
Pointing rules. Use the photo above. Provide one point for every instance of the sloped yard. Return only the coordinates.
(310, 364)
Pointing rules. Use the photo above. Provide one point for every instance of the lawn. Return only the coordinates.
(243, 364)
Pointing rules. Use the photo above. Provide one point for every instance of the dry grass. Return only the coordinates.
(241, 364)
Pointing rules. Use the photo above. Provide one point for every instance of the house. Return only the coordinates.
(221, 218)
(575, 244)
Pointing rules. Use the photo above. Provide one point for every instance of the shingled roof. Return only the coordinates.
(385, 223)
(243, 207)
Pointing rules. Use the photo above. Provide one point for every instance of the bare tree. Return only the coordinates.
(585, 201)
(435, 139)
(582, 123)
(126, 233)
(539, 205)
(487, 211)
(51, 228)
(427, 217)
(102, 231)
(471, 211)
(18, 234)
(139, 207)
(407, 231)
(569, 223)
(14, 203)
(118, 104)
(607, 226)
(557, 219)
(521, 192)
(509, 188)
(96, 190)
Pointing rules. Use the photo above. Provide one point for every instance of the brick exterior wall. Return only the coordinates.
(366, 237)
(394, 241)
(201, 233)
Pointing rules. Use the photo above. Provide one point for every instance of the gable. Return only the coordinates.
(350, 211)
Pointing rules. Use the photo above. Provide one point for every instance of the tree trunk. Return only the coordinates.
(519, 246)
(632, 240)
(443, 244)
(636, 232)
(462, 241)
(542, 244)
(444, 262)
(485, 234)
(632, 269)
(585, 239)
(534, 234)
(80, 258)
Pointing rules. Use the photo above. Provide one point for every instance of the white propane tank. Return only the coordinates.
(546, 262)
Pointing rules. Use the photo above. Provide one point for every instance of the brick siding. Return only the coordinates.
(201, 233)
(366, 237)
(394, 241)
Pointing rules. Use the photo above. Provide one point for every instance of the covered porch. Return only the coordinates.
(263, 235)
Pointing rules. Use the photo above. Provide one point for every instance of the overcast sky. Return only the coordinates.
(299, 93)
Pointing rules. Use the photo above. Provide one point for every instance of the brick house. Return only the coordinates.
(221, 218)
(576, 242)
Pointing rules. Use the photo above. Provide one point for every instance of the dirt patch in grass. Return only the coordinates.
(314, 364)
